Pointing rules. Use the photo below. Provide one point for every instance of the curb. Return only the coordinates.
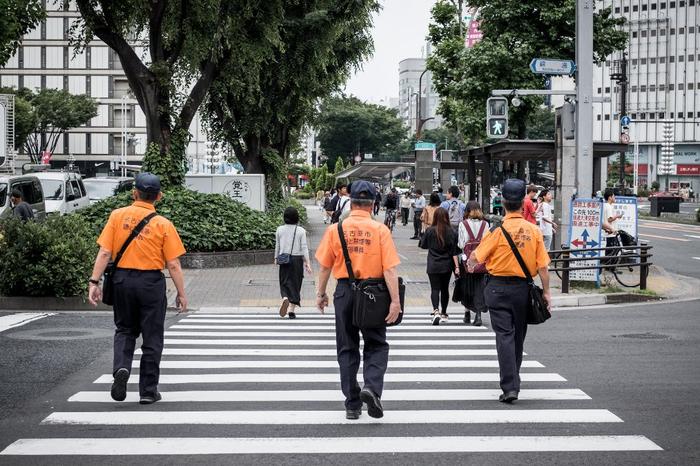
(579, 300)
(49, 304)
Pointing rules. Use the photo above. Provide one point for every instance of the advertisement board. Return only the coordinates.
(585, 233)
(247, 189)
(627, 206)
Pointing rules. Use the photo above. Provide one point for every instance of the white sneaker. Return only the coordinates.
(435, 319)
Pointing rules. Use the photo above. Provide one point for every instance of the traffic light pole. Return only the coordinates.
(584, 98)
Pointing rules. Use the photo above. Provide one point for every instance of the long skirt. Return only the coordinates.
(469, 290)
(291, 276)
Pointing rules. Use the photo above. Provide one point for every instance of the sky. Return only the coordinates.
(399, 32)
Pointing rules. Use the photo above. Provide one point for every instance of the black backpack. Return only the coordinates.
(335, 217)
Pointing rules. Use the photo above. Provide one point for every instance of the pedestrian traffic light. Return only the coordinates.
(497, 118)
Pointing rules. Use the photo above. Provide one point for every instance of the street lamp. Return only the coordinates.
(420, 121)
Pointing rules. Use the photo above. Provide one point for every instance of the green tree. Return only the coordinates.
(514, 32)
(540, 124)
(43, 117)
(339, 165)
(17, 17)
(321, 43)
(190, 44)
(348, 126)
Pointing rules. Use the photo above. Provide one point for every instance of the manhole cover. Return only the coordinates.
(644, 336)
(61, 333)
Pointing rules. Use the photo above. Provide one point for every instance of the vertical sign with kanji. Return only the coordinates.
(585, 233)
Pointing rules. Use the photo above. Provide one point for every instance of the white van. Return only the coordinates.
(64, 192)
(31, 192)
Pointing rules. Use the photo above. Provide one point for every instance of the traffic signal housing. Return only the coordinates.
(497, 117)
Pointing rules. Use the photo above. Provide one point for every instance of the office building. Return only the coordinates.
(664, 81)
(410, 70)
(46, 60)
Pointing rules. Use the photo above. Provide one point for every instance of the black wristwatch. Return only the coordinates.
(94, 282)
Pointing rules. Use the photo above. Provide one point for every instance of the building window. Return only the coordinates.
(54, 57)
(662, 32)
(672, 59)
(662, 87)
(652, 116)
(607, 90)
(644, 7)
(607, 117)
(634, 62)
(644, 33)
(672, 4)
(681, 58)
(691, 57)
(661, 115)
(652, 87)
(690, 86)
(635, 8)
(680, 86)
(652, 33)
(671, 87)
(662, 60)
(672, 32)
(691, 30)
(626, 9)
(653, 6)
(599, 91)
(670, 115)
(643, 88)
(662, 5)
(681, 4)
(617, 10)
(607, 63)
(690, 114)
(642, 116)
(691, 2)
(642, 61)
(681, 30)
(634, 116)
(597, 117)
(634, 34)
(652, 60)
(634, 89)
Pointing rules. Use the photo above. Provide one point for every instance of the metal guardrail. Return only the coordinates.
(562, 259)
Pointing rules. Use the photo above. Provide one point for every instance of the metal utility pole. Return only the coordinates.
(584, 98)
(419, 117)
(621, 78)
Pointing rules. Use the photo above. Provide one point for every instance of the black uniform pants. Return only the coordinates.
(405, 212)
(506, 299)
(347, 337)
(139, 308)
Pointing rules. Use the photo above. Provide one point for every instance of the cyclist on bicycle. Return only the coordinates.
(391, 204)
(609, 219)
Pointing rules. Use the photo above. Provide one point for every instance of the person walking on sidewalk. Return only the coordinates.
(418, 205)
(530, 205)
(471, 231)
(373, 255)
(292, 257)
(454, 207)
(139, 285)
(406, 202)
(426, 217)
(507, 290)
(547, 225)
(441, 242)
(377, 203)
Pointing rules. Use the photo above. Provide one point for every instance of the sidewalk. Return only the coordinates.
(257, 286)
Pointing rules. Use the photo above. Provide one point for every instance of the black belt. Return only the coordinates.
(120, 269)
(501, 279)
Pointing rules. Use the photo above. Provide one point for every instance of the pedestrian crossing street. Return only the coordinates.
(235, 383)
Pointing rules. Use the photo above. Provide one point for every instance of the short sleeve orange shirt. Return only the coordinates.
(495, 250)
(370, 245)
(158, 242)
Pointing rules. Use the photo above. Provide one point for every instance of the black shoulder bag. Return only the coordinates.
(371, 297)
(108, 284)
(537, 309)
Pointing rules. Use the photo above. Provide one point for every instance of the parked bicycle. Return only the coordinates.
(624, 262)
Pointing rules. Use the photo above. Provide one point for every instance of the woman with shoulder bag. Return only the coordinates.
(427, 214)
(471, 231)
(441, 242)
(292, 257)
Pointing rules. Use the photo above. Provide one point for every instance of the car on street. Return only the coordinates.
(103, 187)
(32, 193)
(64, 192)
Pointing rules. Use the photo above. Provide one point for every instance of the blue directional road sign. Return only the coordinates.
(625, 120)
(549, 66)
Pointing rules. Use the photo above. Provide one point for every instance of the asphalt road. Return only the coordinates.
(685, 207)
(640, 362)
(676, 246)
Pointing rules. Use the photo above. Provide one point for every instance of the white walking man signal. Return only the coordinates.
(497, 127)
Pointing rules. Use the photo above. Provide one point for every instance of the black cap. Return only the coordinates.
(148, 183)
(514, 190)
(362, 189)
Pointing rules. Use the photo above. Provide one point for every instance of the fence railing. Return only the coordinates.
(617, 257)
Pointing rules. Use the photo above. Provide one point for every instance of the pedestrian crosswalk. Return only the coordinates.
(231, 381)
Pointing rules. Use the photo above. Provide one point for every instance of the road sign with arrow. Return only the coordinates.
(552, 67)
(585, 236)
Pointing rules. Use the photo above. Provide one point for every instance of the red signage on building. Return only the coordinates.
(688, 169)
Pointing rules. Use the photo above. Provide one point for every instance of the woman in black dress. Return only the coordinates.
(441, 242)
(290, 239)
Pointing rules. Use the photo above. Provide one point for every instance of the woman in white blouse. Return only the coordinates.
(290, 239)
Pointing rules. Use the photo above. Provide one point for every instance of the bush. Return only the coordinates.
(299, 194)
(642, 192)
(402, 184)
(206, 222)
(51, 258)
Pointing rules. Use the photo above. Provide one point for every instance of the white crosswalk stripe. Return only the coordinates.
(222, 370)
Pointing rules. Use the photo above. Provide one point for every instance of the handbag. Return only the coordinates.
(537, 308)
(371, 297)
(108, 283)
(284, 258)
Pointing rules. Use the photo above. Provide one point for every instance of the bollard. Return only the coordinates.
(643, 267)
(565, 272)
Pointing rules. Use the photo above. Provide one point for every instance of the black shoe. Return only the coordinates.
(477, 319)
(467, 318)
(435, 319)
(413, 237)
(147, 400)
(508, 397)
(291, 315)
(353, 413)
(374, 406)
(121, 377)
